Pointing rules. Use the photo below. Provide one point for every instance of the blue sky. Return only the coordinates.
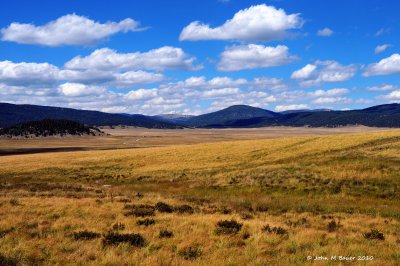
(193, 57)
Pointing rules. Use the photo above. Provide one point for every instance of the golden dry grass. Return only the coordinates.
(297, 183)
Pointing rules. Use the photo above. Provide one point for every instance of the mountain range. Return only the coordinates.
(237, 116)
(12, 114)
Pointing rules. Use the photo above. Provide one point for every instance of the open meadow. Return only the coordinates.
(205, 198)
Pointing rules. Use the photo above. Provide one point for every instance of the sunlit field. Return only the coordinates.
(243, 202)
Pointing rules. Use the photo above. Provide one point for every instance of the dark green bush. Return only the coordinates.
(113, 238)
(228, 227)
(6, 261)
(190, 252)
(145, 222)
(164, 207)
(184, 209)
(332, 226)
(275, 230)
(4, 232)
(118, 226)
(374, 234)
(141, 210)
(14, 202)
(85, 235)
(166, 234)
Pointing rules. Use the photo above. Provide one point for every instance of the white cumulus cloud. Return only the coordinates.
(383, 87)
(70, 29)
(157, 59)
(325, 32)
(260, 22)
(332, 100)
(323, 71)
(281, 108)
(77, 89)
(386, 66)
(253, 56)
(381, 48)
(140, 77)
(393, 96)
(273, 84)
(305, 72)
(330, 93)
(27, 74)
(215, 93)
(141, 94)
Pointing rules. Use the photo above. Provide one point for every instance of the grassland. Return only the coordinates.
(132, 137)
(293, 197)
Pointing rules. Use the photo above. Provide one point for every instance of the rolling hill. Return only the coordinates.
(174, 118)
(49, 127)
(12, 114)
(228, 115)
(387, 115)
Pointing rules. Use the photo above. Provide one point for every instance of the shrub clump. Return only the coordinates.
(300, 222)
(85, 235)
(228, 227)
(190, 252)
(333, 226)
(164, 207)
(166, 234)
(118, 226)
(184, 209)
(8, 261)
(246, 216)
(274, 230)
(374, 234)
(124, 200)
(141, 210)
(146, 222)
(15, 202)
(4, 232)
(113, 238)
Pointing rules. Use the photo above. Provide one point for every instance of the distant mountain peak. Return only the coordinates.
(231, 113)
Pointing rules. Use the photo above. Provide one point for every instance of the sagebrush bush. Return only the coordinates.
(246, 235)
(6, 261)
(332, 226)
(124, 200)
(4, 232)
(14, 202)
(190, 252)
(141, 210)
(164, 207)
(146, 222)
(184, 209)
(166, 234)
(85, 235)
(246, 216)
(275, 230)
(113, 238)
(374, 234)
(118, 226)
(228, 227)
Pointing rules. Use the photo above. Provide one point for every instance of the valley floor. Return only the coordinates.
(258, 201)
(131, 137)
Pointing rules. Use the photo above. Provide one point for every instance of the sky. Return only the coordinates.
(193, 57)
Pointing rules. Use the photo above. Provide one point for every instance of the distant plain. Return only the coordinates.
(134, 137)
